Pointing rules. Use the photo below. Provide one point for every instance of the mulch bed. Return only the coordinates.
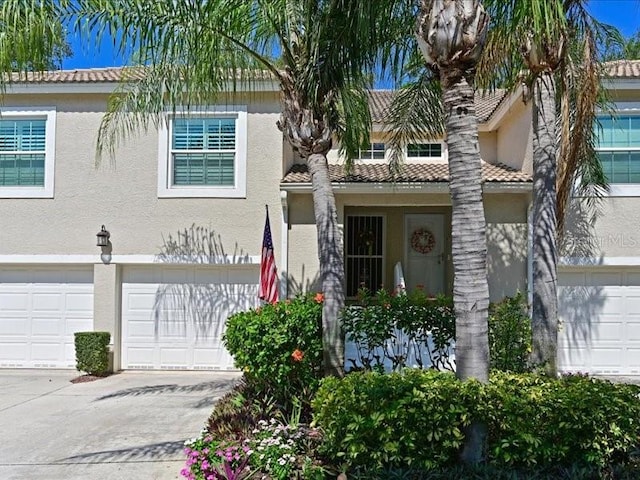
(88, 378)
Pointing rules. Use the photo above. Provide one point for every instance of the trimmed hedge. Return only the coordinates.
(416, 419)
(92, 352)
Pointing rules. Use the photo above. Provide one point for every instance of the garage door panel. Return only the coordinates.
(13, 301)
(45, 327)
(79, 302)
(634, 359)
(174, 317)
(40, 310)
(175, 357)
(48, 301)
(14, 327)
(575, 357)
(601, 320)
(12, 352)
(633, 331)
(607, 358)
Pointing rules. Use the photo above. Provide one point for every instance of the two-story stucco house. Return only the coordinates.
(185, 206)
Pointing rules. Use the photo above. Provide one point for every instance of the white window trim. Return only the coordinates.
(47, 190)
(441, 158)
(623, 189)
(385, 158)
(238, 190)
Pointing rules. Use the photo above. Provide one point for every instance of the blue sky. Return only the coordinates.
(624, 14)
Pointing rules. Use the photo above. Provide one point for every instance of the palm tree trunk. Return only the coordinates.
(331, 263)
(544, 320)
(469, 247)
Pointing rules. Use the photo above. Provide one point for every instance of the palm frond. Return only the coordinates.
(414, 114)
(32, 37)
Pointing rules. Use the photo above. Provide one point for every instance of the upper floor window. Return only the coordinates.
(424, 150)
(376, 151)
(26, 153)
(203, 154)
(618, 146)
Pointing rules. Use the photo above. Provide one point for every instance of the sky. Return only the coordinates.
(623, 14)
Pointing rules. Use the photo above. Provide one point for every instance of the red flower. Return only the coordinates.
(297, 355)
(319, 297)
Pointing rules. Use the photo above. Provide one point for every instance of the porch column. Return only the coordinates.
(107, 306)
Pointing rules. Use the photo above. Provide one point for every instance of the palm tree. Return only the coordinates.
(557, 41)
(451, 35)
(31, 38)
(318, 51)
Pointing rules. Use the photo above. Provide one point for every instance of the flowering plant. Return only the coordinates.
(280, 347)
(280, 451)
(207, 459)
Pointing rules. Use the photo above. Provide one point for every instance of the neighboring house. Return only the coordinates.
(184, 205)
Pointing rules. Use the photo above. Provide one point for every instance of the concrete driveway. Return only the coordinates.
(131, 425)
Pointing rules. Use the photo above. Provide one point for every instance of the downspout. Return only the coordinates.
(284, 235)
(530, 256)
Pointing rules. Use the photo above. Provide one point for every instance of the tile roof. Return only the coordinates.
(412, 172)
(486, 103)
(622, 69)
(95, 75)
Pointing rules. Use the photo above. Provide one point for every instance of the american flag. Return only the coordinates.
(268, 273)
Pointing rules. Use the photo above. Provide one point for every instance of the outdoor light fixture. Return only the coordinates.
(103, 237)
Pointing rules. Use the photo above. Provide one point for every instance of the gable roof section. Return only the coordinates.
(486, 103)
(411, 173)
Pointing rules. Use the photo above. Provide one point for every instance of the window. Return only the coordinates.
(424, 150)
(618, 147)
(27, 139)
(204, 155)
(375, 152)
(364, 253)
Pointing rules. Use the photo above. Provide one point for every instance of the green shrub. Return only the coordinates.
(92, 352)
(510, 334)
(279, 347)
(414, 418)
(400, 330)
(537, 420)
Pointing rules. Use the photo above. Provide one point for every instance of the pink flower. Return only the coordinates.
(319, 298)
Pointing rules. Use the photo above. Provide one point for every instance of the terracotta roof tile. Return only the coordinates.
(622, 69)
(486, 103)
(412, 172)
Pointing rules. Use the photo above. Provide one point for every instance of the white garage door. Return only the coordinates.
(40, 310)
(600, 314)
(174, 317)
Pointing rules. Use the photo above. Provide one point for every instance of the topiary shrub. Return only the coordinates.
(279, 347)
(92, 352)
(410, 419)
(510, 334)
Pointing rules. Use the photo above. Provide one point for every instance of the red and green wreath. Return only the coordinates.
(423, 241)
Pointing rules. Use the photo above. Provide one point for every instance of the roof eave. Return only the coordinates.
(406, 187)
(32, 88)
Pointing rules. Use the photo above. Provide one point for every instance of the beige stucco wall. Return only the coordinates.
(506, 216)
(612, 232)
(515, 137)
(123, 195)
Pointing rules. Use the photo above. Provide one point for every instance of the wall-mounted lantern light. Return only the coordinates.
(103, 237)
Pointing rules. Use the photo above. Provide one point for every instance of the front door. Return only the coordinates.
(425, 252)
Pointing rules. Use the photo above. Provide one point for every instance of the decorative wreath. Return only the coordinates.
(423, 241)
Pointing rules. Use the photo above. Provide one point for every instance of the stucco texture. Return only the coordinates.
(122, 193)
